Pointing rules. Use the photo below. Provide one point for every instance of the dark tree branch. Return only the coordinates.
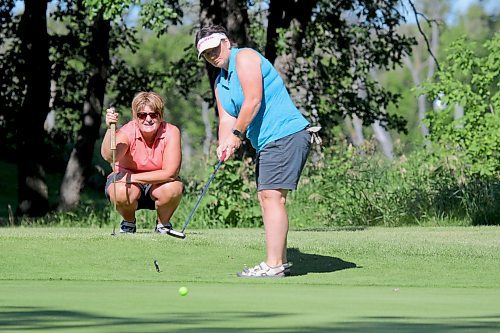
(417, 14)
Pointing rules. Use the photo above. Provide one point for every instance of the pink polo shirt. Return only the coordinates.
(139, 156)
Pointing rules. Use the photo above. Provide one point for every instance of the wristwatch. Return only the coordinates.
(240, 135)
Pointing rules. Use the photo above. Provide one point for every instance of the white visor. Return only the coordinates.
(209, 42)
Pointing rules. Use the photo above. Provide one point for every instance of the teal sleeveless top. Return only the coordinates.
(277, 117)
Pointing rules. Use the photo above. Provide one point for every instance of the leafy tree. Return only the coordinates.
(475, 23)
(472, 81)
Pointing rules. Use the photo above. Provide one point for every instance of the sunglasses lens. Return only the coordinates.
(144, 115)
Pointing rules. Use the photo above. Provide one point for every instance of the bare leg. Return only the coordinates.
(167, 197)
(127, 199)
(272, 203)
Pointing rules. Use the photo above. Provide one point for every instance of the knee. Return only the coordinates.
(125, 194)
(168, 193)
(271, 198)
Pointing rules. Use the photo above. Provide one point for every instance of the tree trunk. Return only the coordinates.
(293, 16)
(355, 128)
(431, 68)
(384, 139)
(80, 160)
(415, 69)
(33, 197)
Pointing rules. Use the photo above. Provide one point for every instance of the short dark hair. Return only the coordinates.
(208, 30)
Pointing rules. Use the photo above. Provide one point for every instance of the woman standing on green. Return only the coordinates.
(252, 101)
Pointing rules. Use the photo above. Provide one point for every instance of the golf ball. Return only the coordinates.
(183, 291)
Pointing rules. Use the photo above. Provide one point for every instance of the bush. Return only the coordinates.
(231, 200)
(356, 188)
(351, 187)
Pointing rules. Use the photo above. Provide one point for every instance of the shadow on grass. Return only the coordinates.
(52, 320)
(304, 263)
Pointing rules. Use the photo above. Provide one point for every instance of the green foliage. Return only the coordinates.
(86, 215)
(70, 32)
(351, 187)
(471, 81)
(354, 187)
(12, 81)
(344, 42)
(477, 23)
(231, 200)
(154, 14)
(109, 8)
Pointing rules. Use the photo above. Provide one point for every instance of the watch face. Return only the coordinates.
(239, 134)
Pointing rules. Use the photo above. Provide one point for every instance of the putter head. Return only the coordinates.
(176, 234)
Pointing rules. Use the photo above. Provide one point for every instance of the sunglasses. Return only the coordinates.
(144, 115)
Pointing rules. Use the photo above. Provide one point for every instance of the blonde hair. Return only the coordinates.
(147, 98)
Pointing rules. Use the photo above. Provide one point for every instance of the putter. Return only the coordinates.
(181, 234)
(113, 153)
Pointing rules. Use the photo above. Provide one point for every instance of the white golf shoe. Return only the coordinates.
(263, 270)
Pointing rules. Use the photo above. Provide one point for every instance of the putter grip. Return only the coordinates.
(113, 133)
(223, 156)
(113, 136)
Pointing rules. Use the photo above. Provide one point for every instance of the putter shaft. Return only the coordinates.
(113, 154)
(203, 192)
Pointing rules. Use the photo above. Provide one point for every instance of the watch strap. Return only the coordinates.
(239, 134)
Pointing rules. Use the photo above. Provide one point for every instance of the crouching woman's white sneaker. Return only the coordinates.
(163, 228)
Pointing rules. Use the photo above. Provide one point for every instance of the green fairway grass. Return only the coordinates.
(367, 280)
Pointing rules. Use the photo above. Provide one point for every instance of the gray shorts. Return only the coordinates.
(145, 201)
(280, 162)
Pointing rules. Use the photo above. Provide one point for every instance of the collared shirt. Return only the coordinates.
(140, 156)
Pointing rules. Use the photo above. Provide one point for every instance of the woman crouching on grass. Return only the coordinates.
(148, 160)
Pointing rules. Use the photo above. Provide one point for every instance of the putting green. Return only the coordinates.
(372, 280)
(76, 306)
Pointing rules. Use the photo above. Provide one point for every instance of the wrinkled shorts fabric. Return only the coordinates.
(280, 162)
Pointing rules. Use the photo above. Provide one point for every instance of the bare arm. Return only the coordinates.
(227, 141)
(250, 77)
